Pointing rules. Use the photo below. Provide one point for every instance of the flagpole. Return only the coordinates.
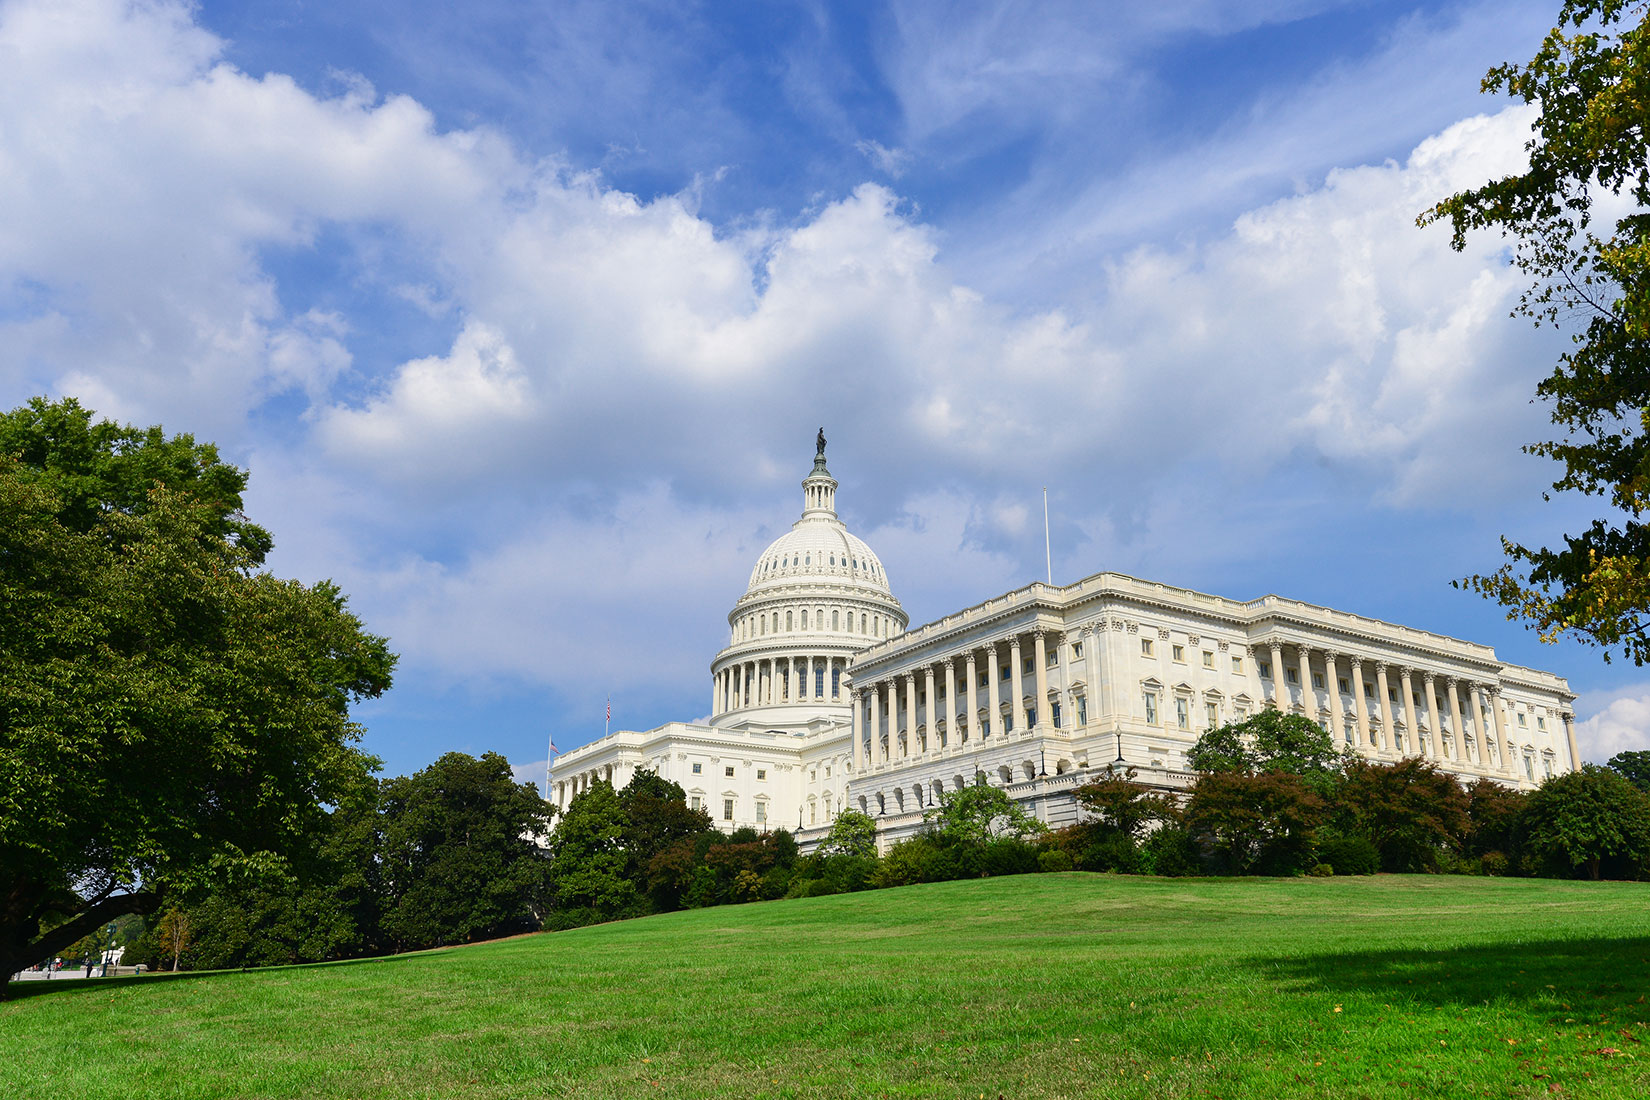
(549, 755)
(1048, 553)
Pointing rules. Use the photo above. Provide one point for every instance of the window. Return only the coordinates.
(1369, 691)
(1151, 708)
(1006, 672)
(1521, 718)
(1076, 649)
(836, 682)
(983, 681)
(1547, 766)
(1208, 659)
(1540, 722)
(812, 809)
(985, 727)
(787, 620)
(819, 681)
(1237, 665)
(1529, 768)
(1265, 669)
(812, 776)
(1145, 647)
(728, 771)
(1340, 681)
(1053, 657)
(1181, 717)
(1008, 720)
(1392, 694)
(1054, 714)
(761, 773)
(1178, 653)
(804, 619)
(1242, 711)
(762, 812)
(1317, 679)
(1026, 667)
(727, 809)
(1031, 716)
(698, 769)
(836, 620)
(1292, 675)
(1211, 714)
(696, 802)
(827, 771)
(1082, 711)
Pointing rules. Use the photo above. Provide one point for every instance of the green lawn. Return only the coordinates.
(1042, 985)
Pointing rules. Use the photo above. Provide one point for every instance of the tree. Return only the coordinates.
(459, 863)
(587, 857)
(1408, 809)
(1632, 766)
(1271, 741)
(1256, 823)
(656, 817)
(165, 708)
(1592, 820)
(1495, 811)
(1590, 80)
(1124, 805)
(175, 933)
(979, 814)
(852, 834)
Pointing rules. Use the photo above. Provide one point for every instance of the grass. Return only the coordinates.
(1037, 986)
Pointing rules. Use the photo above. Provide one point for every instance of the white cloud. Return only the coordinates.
(1620, 723)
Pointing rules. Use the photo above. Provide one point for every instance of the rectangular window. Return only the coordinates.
(811, 810)
(827, 771)
(1237, 665)
(1082, 711)
(698, 768)
(1151, 708)
(1317, 679)
(1208, 659)
(696, 802)
(984, 681)
(1547, 766)
(761, 773)
(985, 727)
(1179, 653)
(1292, 675)
(1521, 718)
(1053, 657)
(1026, 667)
(836, 683)
(1054, 714)
(1145, 647)
(762, 811)
(1076, 649)
(727, 809)
(819, 681)
(1211, 715)
(1031, 717)
(728, 772)
(1242, 712)
(1181, 717)
(1529, 768)
(1265, 669)
(1369, 691)
(1392, 694)
(1005, 672)
(1340, 682)
(1540, 722)
(1008, 720)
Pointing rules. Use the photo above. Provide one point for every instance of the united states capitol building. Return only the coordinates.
(824, 699)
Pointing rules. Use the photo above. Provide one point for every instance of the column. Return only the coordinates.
(1039, 656)
(1455, 719)
(1509, 756)
(859, 732)
(1280, 693)
(1414, 731)
(1359, 705)
(994, 713)
(910, 714)
(893, 719)
(931, 711)
(1332, 680)
(1489, 753)
(1068, 701)
(949, 702)
(1570, 736)
(807, 691)
(1099, 694)
(1384, 691)
(1018, 703)
(1309, 695)
(875, 751)
(1432, 716)
(971, 677)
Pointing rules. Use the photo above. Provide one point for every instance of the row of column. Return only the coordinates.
(872, 700)
(578, 784)
(765, 681)
(1368, 729)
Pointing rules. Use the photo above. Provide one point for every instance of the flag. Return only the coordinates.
(610, 709)
(553, 750)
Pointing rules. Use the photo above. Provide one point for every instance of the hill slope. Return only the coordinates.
(1043, 985)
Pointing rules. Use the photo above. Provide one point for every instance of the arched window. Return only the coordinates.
(776, 622)
(764, 624)
(836, 680)
(835, 623)
(862, 629)
(788, 620)
(804, 618)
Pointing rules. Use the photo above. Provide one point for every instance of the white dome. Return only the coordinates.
(819, 549)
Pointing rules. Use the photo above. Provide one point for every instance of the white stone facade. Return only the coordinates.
(822, 698)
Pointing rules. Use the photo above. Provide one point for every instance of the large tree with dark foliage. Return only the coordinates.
(1590, 153)
(460, 859)
(1633, 766)
(1413, 813)
(1591, 822)
(167, 710)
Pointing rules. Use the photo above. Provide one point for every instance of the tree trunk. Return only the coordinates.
(17, 950)
(1592, 868)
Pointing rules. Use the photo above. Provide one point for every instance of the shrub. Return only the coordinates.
(1494, 863)
(1053, 861)
(1170, 852)
(1110, 850)
(1007, 856)
(1321, 870)
(1350, 855)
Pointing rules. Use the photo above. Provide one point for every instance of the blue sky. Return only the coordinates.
(523, 316)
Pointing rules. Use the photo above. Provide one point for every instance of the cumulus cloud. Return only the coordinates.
(568, 482)
(1621, 723)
